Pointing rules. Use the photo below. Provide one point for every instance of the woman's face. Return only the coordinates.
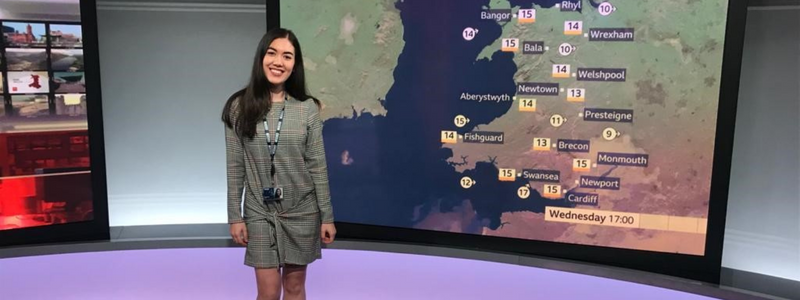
(279, 61)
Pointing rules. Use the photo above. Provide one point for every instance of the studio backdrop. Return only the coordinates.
(594, 131)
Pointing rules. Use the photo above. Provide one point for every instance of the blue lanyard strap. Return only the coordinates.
(273, 147)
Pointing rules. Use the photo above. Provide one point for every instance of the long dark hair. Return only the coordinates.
(254, 100)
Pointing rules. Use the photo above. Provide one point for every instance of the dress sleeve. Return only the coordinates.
(234, 153)
(316, 163)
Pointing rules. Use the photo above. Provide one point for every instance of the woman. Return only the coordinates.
(287, 209)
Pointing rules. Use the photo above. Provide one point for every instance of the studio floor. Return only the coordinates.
(218, 273)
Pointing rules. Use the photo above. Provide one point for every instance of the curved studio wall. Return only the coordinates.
(168, 168)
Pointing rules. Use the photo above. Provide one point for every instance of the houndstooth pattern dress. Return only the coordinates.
(286, 232)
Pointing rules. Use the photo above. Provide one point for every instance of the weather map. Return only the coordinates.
(580, 122)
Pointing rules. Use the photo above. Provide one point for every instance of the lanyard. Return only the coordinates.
(273, 147)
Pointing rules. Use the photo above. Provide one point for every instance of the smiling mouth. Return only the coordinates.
(276, 72)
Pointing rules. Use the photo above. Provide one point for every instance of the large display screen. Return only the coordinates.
(580, 122)
(45, 175)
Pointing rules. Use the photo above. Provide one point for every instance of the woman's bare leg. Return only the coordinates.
(294, 282)
(269, 284)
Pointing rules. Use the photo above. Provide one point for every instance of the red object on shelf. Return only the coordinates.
(44, 178)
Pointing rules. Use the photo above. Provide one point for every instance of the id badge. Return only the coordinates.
(272, 194)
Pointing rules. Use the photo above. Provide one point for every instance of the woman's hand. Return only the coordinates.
(239, 233)
(328, 233)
